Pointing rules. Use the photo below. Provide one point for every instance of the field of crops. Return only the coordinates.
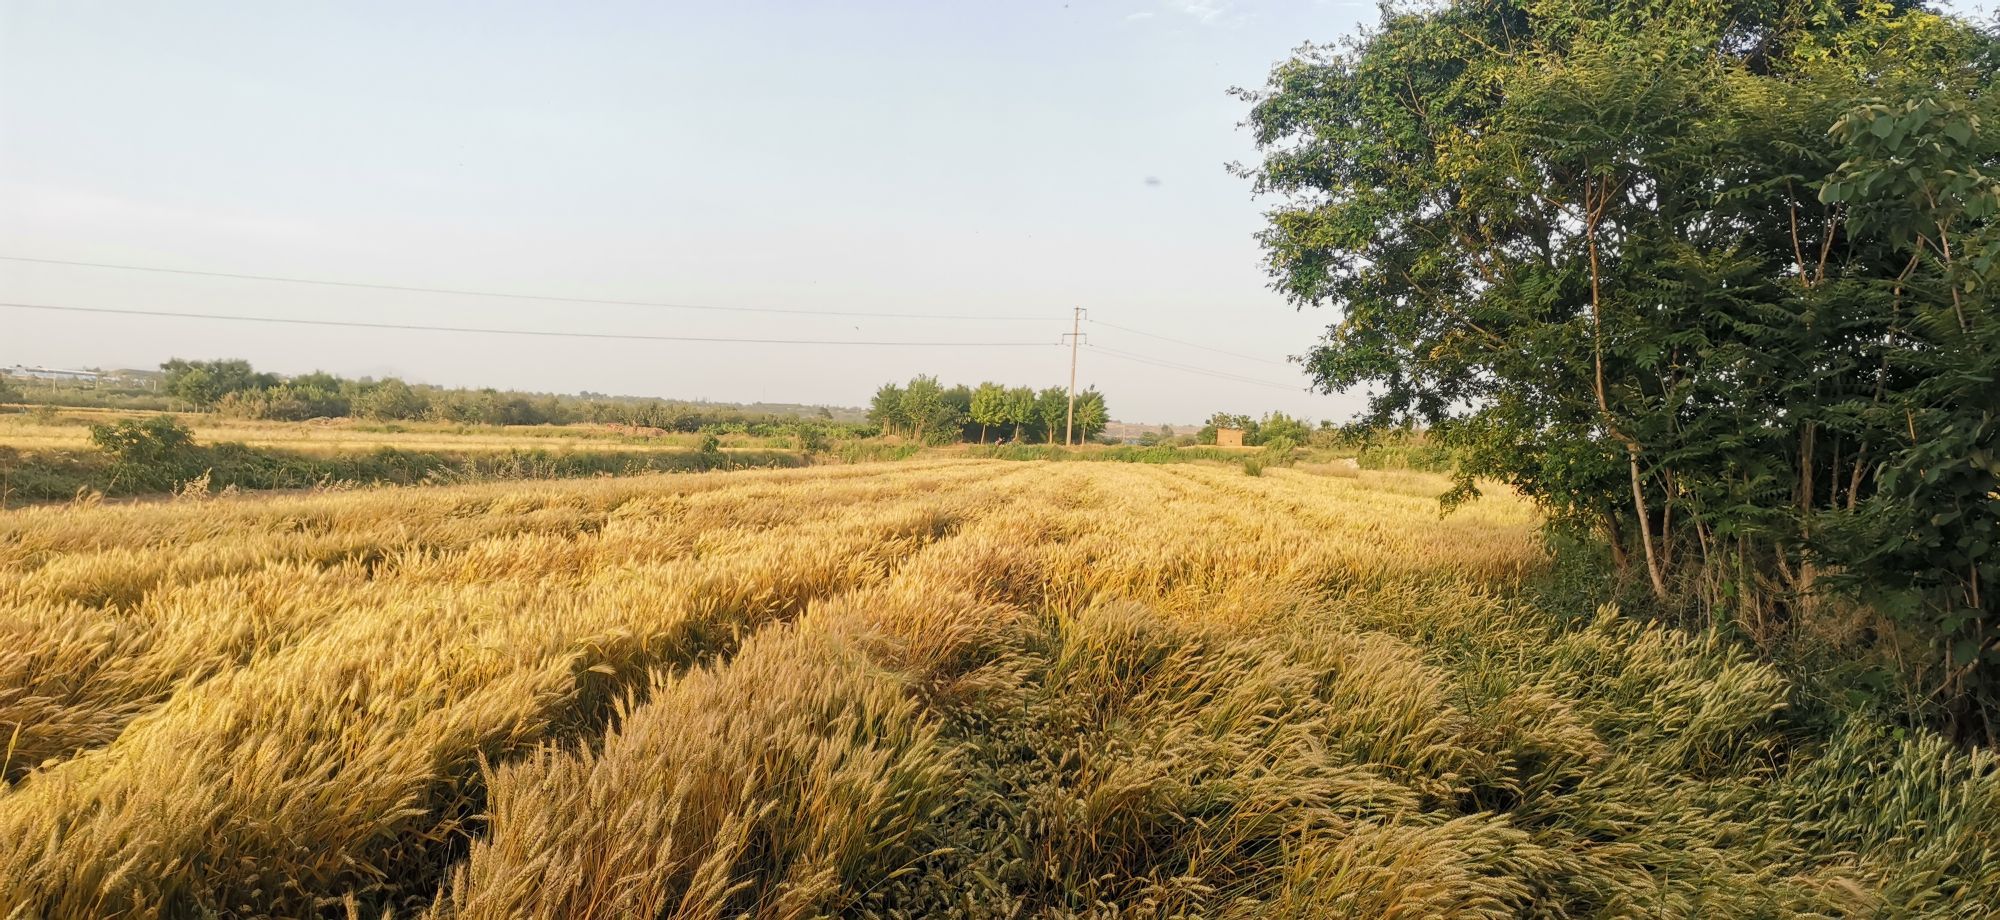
(944, 688)
(69, 429)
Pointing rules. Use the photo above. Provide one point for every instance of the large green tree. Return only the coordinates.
(989, 407)
(927, 411)
(1020, 409)
(1711, 278)
(1092, 415)
(1051, 408)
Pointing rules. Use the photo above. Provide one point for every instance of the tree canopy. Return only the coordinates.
(925, 410)
(1714, 279)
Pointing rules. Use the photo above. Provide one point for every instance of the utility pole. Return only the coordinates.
(1075, 338)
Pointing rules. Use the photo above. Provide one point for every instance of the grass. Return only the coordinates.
(940, 687)
(1122, 453)
(69, 429)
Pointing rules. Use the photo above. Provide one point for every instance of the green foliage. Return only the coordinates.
(1715, 281)
(886, 409)
(390, 400)
(874, 451)
(1020, 409)
(989, 407)
(1091, 415)
(809, 438)
(205, 383)
(1051, 408)
(287, 402)
(156, 440)
(233, 387)
(59, 475)
(1158, 453)
(930, 416)
(927, 412)
(1279, 427)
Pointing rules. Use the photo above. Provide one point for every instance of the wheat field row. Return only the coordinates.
(948, 688)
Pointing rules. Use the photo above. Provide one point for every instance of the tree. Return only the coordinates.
(923, 403)
(205, 383)
(317, 380)
(924, 407)
(1277, 426)
(1700, 277)
(958, 404)
(1091, 415)
(1020, 409)
(886, 409)
(989, 407)
(1051, 407)
(390, 399)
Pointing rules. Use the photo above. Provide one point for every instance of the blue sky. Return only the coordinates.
(1007, 158)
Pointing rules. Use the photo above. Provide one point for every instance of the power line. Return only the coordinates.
(1189, 344)
(1191, 369)
(486, 331)
(468, 292)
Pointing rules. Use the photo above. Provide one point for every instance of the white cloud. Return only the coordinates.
(1139, 16)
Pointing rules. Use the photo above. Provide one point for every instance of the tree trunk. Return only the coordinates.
(1594, 206)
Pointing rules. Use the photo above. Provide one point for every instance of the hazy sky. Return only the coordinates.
(924, 157)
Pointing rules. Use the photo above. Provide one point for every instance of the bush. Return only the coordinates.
(157, 440)
(809, 438)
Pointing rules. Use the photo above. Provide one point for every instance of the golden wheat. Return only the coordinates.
(939, 688)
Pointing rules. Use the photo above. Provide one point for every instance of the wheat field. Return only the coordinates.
(947, 688)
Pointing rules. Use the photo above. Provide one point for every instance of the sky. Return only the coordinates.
(1012, 160)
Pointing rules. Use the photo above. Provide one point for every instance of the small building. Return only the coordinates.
(50, 373)
(1229, 437)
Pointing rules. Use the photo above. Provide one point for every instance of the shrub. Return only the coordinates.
(156, 440)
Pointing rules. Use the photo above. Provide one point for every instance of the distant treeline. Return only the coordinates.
(927, 411)
(234, 388)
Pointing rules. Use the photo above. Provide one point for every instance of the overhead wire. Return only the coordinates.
(552, 333)
(629, 336)
(1191, 369)
(1163, 338)
(507, 295)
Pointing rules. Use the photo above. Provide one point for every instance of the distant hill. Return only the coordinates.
(1130, 431)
